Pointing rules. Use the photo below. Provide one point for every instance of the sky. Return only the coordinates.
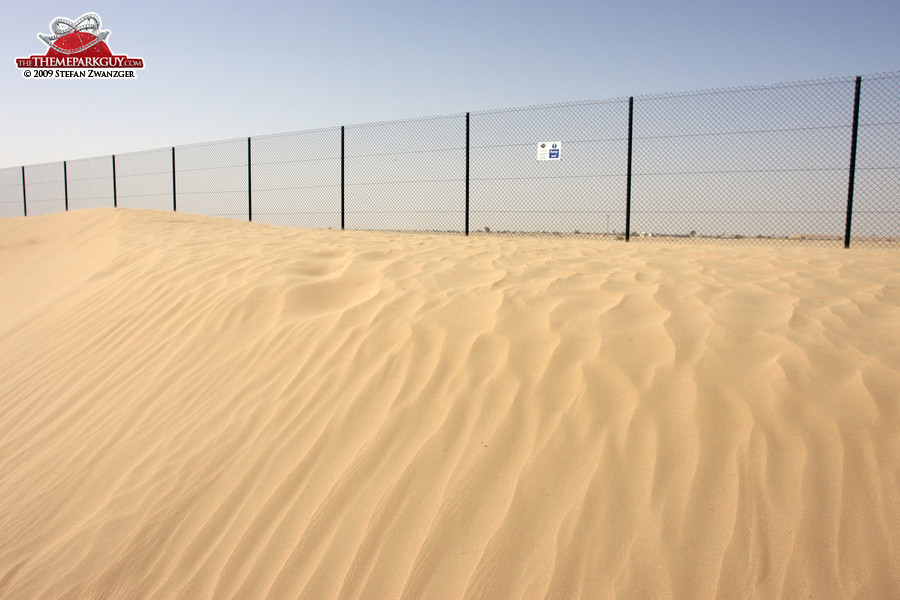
(219, 70)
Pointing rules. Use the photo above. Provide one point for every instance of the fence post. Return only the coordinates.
(467, 173)
(174, 202)
(66, 185)
(24, 198)
(342, 177)
(852, 163)
(628, 175)
(115, 198)
(249, 184)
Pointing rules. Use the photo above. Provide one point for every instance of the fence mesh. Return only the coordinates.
(768, 164)
(211, 178)
(406, 175)
(144, 179)
(761, 163)
(11, 202)
(876, 197)
(297, 179)
(581, 192)
(89, 183)
(45, 190)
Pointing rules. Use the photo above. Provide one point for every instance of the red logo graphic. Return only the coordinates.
(79, 38)
(79, 44)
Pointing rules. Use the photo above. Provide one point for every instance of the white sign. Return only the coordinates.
(548, 150)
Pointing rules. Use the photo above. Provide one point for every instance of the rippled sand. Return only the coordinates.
(204, 408)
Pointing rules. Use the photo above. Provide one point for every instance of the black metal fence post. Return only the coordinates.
(342, 177)
(249, 184)
(66, 185)
(174, 202)
(628, 174)
(115, 198)
(852, 163)
(24, 198)
(467, 173)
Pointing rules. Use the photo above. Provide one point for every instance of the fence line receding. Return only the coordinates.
(807, 162)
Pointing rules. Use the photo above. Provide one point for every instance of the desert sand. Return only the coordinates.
(194, 407)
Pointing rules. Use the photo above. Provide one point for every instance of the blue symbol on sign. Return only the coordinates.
(553, 146)
(554, 154)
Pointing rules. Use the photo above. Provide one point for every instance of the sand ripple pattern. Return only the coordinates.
(203, 408)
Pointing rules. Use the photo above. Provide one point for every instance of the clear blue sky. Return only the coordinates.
(227, 69)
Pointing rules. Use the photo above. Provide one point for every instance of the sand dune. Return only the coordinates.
(204, 408)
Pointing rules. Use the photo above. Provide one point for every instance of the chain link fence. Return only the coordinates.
(876, 199)
(582, 192)
(760, 163)
(89, 183)
(406, 175)
(145, 180)
(12, 203)
(212, 178)
(296, 179)
(46, 192)
(815, 162)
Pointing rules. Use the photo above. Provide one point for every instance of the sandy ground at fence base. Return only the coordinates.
(203, 408)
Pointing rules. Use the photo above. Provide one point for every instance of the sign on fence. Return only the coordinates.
(548, 150)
